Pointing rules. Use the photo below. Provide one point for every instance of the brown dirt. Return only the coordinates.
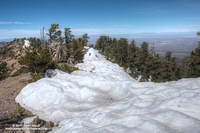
(9, 89)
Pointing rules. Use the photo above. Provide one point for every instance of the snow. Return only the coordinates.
(26, 44)
(102, 98)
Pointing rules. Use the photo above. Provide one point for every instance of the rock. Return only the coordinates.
(50, 73)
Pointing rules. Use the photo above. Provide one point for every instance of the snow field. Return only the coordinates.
(102, 98)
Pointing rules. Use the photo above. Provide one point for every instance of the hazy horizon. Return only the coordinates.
(125, 35)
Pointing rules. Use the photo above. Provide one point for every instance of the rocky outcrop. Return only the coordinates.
(10, 54)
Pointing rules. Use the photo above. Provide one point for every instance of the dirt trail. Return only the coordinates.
(9, 89)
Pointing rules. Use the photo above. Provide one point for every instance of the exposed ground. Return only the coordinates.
(9, 89)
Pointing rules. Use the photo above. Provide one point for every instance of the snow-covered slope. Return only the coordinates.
(102, 98)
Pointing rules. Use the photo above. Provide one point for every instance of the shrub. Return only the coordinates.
(67, 68)
(38, 61)
(19, 111)
(3, 70)
(35, 77)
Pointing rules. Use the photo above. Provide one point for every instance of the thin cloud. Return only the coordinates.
(104, 31)
(195, 25)
(13, 23)
(112, 31)
(18, 33)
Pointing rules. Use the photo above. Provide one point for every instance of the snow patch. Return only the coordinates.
(102, 98)
(27, 44)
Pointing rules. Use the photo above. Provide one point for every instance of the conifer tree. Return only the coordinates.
(132, 55)
(68, 35)
(140, 61)
(75, 49)
(168, 56)
(102, 43)
(193, 63)
(85, 38)
(114, 47)
(122, 51)
(54, 33)
(169, 68)
(145, 49)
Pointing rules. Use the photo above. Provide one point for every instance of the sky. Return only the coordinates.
(20, 18)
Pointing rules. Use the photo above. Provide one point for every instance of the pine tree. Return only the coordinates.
(155, 66)
(102, 44)
(168, 69)
(168, 56)
(76, 50)
(145, 49)
(122, 51)
(140, 61)
(114, 47)
(132, 52)
(68, 35)
(132, 55)
(85, 38)
(54, 33)
(192, 63)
